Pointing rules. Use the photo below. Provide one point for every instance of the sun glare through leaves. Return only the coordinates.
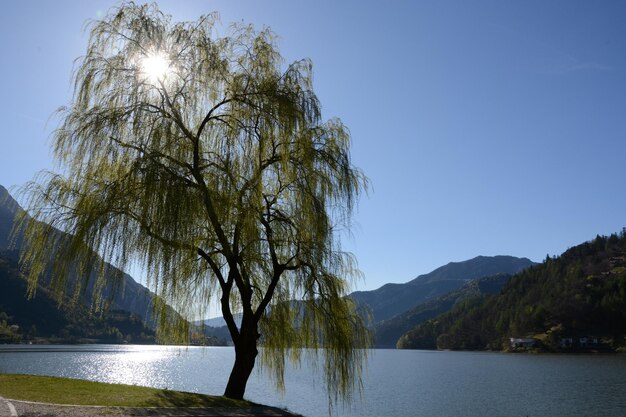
(155, 67)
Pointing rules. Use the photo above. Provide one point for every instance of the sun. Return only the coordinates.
(155, 67)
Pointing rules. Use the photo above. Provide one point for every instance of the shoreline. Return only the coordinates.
(19, 408)
(31, 395)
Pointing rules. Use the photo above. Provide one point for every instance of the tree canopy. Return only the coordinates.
(205, 159)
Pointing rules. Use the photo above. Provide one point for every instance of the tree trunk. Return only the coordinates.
(245, 356)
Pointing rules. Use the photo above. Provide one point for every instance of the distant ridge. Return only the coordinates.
(387, 332)
(218, 321)
(393, 299)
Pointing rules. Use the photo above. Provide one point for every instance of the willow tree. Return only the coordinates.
(205, 159)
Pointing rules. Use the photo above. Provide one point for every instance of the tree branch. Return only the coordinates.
(226, 287)
(209, 115)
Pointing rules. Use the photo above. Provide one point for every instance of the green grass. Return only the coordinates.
(75, 391)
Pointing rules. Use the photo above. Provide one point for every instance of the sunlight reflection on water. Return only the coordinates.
(194, 369)
(135, 368)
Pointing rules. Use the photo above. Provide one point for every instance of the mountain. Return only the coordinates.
(393, 299)
(8, 209)
(42, 319)
(397, 308)
(131, 296)
(127, 301)
(387, 332)
(578, 295)
(218, 321)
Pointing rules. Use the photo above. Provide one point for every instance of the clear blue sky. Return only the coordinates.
(486, 127)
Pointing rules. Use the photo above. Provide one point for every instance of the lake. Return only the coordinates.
(398, 382)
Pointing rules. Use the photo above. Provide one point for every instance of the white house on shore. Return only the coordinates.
(566, 342)
(588, 341)
(517, 342)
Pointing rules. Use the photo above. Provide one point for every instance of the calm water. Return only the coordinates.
(398, 383)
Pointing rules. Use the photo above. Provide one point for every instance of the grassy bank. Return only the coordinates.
(75, 391)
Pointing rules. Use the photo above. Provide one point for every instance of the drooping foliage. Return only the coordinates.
(215, 172)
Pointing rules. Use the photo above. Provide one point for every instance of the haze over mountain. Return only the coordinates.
(218, 321)
(392, 299)
(131, 296)
(8, 210)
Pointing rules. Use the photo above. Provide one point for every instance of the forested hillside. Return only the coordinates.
(580, 293)
(387, 332)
